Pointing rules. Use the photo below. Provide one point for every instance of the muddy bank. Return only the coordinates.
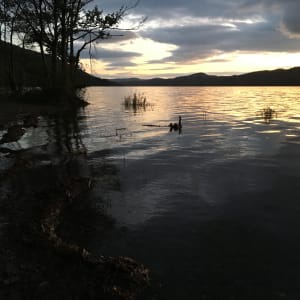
(45, 204)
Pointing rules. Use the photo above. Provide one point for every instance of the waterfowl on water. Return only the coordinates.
(176, 126)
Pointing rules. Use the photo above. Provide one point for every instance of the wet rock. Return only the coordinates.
(43, 263)
(10, 268)
(42, 290)
(11, 280)
(14, 133)
(74, 187)
(30, 121)
(6, 150)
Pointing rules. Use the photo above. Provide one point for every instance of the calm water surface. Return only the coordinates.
(213, 211)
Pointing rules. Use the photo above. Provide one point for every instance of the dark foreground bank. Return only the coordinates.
(45, 204)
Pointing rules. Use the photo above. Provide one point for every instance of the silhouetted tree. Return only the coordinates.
(9, 10)
(61, 28)
(3, 19)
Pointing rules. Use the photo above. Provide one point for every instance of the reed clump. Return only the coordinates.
(268, 114)
(136, 101)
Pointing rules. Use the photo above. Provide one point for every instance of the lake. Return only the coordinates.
(212, 211)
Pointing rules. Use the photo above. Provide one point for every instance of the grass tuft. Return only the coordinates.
(135, 101)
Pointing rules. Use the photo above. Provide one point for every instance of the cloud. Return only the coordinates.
(229, 9)
(291, 19)
(97, 52)
(203, 30)
(113, 59)
(203, 41)
(288, 12)
(119, 64)
(118, 36)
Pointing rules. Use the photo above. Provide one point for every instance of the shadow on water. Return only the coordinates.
(48, 212)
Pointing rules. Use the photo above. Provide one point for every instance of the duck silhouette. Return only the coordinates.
(176, 126)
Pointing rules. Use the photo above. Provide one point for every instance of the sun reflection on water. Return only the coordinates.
(220, 116)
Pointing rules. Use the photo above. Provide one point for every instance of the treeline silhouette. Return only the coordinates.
(60, 32)
(29, 71)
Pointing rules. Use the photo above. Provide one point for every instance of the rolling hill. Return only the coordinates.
(260, 78)
(29, 71)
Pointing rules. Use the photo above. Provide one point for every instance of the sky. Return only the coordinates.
(182, 37)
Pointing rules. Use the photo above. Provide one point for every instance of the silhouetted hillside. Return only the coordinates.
(28, 69)
(275, 77)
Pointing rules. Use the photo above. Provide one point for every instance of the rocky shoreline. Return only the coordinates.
(39, 186)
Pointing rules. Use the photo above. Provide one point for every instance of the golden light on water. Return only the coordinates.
(226, 115)
(245, 110)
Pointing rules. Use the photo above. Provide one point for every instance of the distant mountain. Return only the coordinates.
(29, 71)
(260, 78)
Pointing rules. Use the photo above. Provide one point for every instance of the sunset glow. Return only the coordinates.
(233, 63)
(216, 37)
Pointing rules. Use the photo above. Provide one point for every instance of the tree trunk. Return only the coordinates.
(39, 11)
(11, 68)
(54, 47)
(64, 47)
